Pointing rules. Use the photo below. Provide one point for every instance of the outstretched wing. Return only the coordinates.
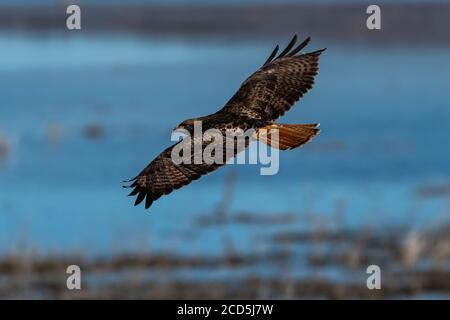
(277, 85)
(163, 175)
(266, 95)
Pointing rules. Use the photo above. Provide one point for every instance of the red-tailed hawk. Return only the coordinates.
(262, 98)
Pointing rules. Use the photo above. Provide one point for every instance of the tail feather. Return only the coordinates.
(290, 136)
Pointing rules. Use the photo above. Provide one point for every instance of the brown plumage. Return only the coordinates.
(263, 97)
(290, 136)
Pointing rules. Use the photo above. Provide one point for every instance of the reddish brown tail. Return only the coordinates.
(290, 136)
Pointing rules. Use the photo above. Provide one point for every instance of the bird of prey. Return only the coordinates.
(262, 98)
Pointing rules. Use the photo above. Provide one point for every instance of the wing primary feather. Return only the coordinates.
(274, 52)
(317, 52)
(134, 192)
(130, 186)
(157, 195)
(125, 181)
(148, 201)
(140, 197)
(288, 47)
(299, 47)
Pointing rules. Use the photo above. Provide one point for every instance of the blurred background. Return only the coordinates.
(82, 110)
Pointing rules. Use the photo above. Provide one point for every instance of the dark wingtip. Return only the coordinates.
(148, 201)
(140, 197)
(134, 184)
(318, 52)
(289, 52)
(274, 52)
(134, 192)
(288, 47)
(300, 47)
(125, 181)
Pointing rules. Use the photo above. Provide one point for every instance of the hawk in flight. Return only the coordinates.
(261, 99)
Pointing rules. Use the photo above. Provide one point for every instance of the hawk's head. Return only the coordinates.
(187, 125)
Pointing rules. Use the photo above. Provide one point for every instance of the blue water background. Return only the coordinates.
(384, 113)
